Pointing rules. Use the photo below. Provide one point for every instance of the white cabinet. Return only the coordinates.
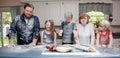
(47, 10)
(54, 10)
(116, 12)
(116, 43)
(70, 6)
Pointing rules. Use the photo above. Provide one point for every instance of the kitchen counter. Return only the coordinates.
(24, 51)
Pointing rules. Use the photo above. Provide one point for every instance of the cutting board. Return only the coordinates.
(73, 52)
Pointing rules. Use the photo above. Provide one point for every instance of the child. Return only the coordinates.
(104, 35)
(48, 36)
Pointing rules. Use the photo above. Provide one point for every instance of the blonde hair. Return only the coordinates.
(105, 23)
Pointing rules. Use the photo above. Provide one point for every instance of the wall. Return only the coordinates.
(59, 8)
(4, 3)
(55, 9)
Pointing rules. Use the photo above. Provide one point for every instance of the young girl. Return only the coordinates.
(104, 35)
(48, 36)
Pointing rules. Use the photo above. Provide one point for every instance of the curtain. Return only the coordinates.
(101, 7)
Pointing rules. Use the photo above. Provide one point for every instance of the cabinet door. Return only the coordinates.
(116, 12)
(47, 10)
(70, 6)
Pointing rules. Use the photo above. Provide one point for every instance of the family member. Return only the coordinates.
(85, 31)
(49, 36)
(26, 26)
(104, 35)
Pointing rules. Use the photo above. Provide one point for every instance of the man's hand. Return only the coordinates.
(11, 43)
(33, 42)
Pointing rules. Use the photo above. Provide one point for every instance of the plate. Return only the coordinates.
(63, 49)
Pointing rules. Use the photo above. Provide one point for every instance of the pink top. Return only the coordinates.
(104, 37)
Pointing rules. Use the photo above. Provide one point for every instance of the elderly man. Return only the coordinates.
(26, 26)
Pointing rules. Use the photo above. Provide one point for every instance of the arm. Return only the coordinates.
(41, 35)
(36, 31)
(92, 35)
(55, 39)
(61, 29)
(110, 40)
(75, 32)
(12, 30)
(97, 40)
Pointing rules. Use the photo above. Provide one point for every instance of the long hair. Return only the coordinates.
(52, 28)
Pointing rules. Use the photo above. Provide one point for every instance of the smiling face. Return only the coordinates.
(102, 28)
(84, 18)
(48, 26)
(84, 21)
(28, 12)
(68, 20)
(68, 17)
(104, 25)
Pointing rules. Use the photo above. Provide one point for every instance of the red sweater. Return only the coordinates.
(104, 37)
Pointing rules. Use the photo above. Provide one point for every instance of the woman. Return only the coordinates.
(104, 35)
(49, 36)
(85, 31)
(67, 28)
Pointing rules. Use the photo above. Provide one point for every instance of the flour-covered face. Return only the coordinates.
(102, 27)
(84, 21)
(48, 26)
(68, 19)
(28, 12)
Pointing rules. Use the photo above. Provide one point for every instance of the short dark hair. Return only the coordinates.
(28, 5)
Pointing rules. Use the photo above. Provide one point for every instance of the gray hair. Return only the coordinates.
(105, 23)
(68, 15)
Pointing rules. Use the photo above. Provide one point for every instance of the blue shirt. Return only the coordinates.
(68, 32)
(47, 39)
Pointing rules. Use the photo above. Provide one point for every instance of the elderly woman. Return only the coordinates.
(85, 31)
(104, 35)
(67, 28)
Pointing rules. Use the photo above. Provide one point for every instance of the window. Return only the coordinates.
(97, 11)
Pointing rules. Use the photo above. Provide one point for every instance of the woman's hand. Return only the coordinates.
(109, 46)
(99, 46)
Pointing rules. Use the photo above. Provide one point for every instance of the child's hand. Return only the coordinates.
(99, 46)
(109, 46)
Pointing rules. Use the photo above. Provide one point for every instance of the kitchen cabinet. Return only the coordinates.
(116, 12)
(54, 10)
(116, 43)
(47, 10)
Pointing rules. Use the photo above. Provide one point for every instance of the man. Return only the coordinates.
(26, 26)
